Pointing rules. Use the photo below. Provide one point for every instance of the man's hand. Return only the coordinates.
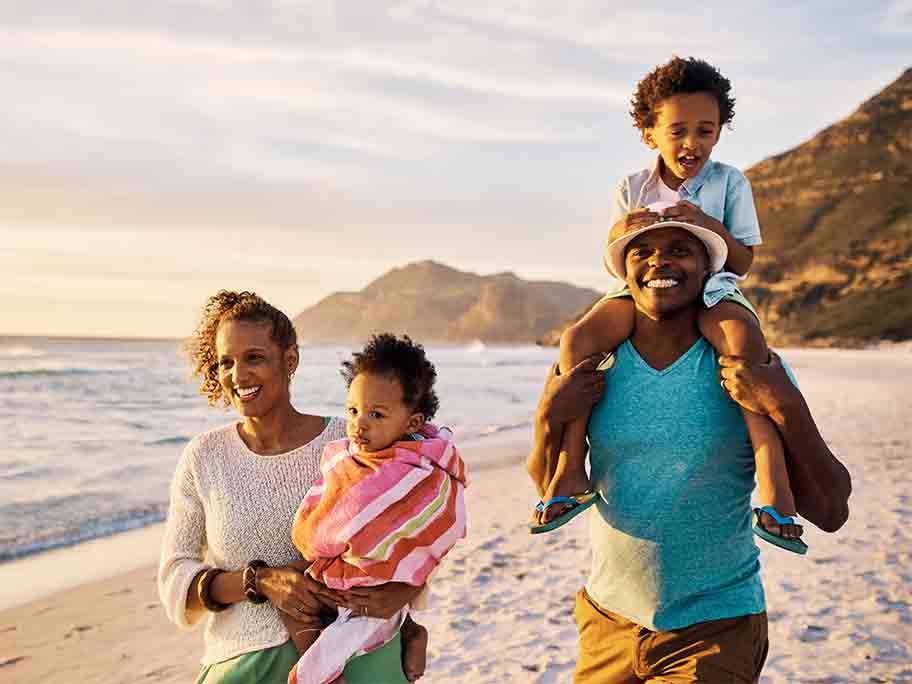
(382, 601)
(688, 212)
(571, 395)
(758, 387)
(636, 219)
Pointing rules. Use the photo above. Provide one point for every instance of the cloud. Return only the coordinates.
(897, 17)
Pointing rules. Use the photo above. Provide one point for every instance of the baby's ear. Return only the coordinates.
(415, 422)
(648, 139)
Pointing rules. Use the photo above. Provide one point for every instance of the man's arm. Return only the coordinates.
(564, 398)
(820, 483)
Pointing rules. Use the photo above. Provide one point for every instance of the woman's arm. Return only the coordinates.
(820, 483)
(183, 545)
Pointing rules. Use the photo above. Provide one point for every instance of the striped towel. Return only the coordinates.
(372, 518)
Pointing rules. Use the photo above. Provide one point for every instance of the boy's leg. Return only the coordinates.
(602, 329)
(607, 324)
(734, 330)
(414, 648)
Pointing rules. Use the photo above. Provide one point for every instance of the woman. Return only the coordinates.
(227, 553)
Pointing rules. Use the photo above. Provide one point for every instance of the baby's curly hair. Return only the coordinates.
(403, 359)
(678, 76)
(231, 306)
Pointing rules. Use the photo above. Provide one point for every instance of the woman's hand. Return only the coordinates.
(572, 395)
(382, 601)
(293, 591)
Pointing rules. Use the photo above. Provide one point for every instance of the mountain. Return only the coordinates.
(835, 267)
(836, 215)
(435, 303)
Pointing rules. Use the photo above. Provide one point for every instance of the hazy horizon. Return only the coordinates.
(297, 149)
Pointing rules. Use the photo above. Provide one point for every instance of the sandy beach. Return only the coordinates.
(502, 600)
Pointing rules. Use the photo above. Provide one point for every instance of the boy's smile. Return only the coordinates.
(686, 130)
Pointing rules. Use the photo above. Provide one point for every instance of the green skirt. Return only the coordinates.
(272, 665)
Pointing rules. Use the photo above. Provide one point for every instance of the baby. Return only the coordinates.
(387, 508)
(680, 109)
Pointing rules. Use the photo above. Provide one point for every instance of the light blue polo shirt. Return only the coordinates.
(673, 464)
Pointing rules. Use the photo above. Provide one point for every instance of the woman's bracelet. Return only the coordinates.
(250, 581)
(202, 590)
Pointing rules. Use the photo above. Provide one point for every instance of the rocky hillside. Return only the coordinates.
(836, 213)
(435, 303)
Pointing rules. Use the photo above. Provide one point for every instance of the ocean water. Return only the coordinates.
(92, 429)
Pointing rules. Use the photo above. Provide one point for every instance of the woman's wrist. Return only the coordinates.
(227, 588)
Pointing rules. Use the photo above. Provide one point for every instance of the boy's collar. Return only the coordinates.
(691, 186)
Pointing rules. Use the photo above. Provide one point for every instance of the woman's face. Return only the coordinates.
(253, 370)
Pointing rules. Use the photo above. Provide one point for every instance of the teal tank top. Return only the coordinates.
(673, 464)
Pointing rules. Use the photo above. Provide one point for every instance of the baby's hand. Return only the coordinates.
(636, 219)
(686, 212)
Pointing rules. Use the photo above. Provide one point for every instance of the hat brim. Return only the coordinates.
(714, 243)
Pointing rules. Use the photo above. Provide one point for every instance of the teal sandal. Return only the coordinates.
(793, 544)
(579, 503)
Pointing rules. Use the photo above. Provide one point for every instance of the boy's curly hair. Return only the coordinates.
(403, 359)
(678, 76)
(227, 305)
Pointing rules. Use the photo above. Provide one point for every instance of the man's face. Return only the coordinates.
(665, 271)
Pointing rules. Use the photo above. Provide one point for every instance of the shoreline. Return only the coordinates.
(67, 567)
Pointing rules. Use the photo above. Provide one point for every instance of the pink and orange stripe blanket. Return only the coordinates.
(372, 518)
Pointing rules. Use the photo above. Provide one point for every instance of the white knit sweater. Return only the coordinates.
(228, 506)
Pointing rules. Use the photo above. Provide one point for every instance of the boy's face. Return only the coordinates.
(686, 130)
(377, 414)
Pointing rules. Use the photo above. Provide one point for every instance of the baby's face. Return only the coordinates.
(377, 415)
(686, 130)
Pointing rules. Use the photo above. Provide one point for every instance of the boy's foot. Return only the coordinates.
(779, 530)
(568, 507)
(414, 649)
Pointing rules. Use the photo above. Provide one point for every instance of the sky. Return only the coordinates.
(155, 152)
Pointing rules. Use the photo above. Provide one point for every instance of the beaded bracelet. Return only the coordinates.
(202, 590)
(250, 584)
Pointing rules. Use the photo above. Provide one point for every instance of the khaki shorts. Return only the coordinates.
(614, 650)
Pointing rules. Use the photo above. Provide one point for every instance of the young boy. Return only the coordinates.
(680, 109)
(387, 508)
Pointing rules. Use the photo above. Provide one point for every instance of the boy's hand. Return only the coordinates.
(636, 219)
(687, 212)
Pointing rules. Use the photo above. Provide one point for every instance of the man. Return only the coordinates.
(674, 592)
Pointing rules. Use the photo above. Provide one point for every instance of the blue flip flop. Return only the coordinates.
(794, 544)
(580, 503)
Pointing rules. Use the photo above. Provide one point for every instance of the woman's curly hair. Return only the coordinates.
(386, 354)
(678, 76)
(231, 306)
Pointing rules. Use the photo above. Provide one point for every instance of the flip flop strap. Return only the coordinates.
(775, 515)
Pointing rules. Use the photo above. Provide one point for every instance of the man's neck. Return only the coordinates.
(662, 341)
